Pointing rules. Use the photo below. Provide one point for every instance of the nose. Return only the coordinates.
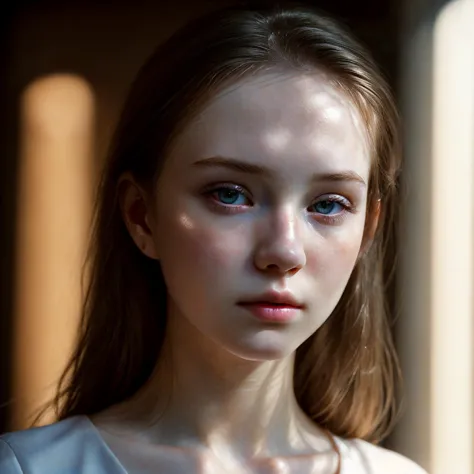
(281, 248)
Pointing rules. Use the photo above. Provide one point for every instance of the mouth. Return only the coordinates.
(274, 307)
(275, 299)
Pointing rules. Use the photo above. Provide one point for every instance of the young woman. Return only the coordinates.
(234, 320)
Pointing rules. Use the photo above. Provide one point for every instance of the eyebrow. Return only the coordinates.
(251, 168)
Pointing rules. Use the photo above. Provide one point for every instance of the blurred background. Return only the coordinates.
(66, 67)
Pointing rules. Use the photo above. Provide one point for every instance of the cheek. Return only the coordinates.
(194, 248)
(332, 259)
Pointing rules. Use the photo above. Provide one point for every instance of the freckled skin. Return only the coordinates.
(212, 260)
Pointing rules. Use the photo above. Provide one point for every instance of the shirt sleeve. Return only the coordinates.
(8, 461)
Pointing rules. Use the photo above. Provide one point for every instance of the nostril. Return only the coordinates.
(294, 270)
(272, 266)
(279, 269)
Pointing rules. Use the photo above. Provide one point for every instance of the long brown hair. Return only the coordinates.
(345, 374)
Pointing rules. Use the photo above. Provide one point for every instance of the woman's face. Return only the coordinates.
(259, 213)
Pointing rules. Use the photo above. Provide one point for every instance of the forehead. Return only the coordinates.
(285, 118)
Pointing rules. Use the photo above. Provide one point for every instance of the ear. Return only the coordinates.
(137, 215)
(371, 224)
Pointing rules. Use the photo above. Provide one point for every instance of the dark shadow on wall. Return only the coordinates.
(8, 172)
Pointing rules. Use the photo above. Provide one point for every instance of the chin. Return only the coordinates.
(261, 351)
(262, 356)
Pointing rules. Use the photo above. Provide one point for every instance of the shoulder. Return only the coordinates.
(8, 461)
(374, 459)
(65, 446)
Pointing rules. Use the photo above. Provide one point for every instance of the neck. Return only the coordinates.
(218, 400)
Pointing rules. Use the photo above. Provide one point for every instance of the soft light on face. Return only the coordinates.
(264, 191)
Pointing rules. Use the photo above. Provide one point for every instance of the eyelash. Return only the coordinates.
(227, 208)
(347, 207)
(232, 208)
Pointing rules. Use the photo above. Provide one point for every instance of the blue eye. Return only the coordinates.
(230, 196)
(327, 207)
(330, 206)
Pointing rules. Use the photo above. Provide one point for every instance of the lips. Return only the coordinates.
(275, 299)
(274, 307)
